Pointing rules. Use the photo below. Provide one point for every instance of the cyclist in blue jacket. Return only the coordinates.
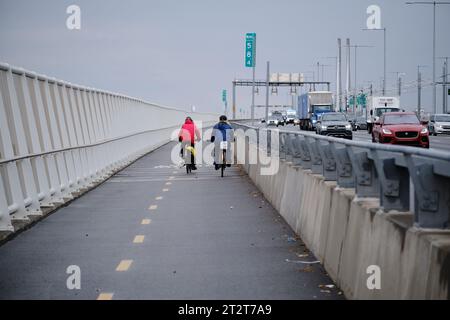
(222, 131)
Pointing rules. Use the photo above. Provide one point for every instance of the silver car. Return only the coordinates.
(439, 124)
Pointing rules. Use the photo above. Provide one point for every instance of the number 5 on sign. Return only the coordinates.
(250, 45)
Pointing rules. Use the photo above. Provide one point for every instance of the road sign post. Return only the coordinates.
(224, 100)
(250, 62)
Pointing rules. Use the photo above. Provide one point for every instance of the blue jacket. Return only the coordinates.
(222, 131)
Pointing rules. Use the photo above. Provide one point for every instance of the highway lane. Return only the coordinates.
(441, 142)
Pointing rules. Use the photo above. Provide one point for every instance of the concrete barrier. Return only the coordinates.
(348, 235)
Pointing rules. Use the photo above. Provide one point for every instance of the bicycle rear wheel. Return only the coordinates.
(224, 163)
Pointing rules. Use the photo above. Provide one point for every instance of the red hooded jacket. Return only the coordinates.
(189, 131)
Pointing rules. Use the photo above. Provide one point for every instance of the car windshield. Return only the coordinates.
(380, 111)
(322, 108)
(442, 118)
(401, 119)
(333, 117)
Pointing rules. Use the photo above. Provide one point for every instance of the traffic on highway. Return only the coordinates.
(392, 128)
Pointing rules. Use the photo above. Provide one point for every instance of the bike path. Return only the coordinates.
(153, 232)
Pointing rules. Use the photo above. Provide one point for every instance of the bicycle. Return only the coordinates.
(223, 147)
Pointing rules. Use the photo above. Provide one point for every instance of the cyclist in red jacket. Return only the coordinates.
(189, 134)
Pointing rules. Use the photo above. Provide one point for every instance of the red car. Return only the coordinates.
(401, 128)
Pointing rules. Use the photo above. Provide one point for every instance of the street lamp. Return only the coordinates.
(399, 81)
(356, 46)
(419, 88)
(384, 55)
(434, 3)
(336, 76)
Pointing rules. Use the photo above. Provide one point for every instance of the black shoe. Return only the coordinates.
(194, 167)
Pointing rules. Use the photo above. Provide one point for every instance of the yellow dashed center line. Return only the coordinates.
(153, 207)
(105, 296)
(146, 221)
(158, 198)
(124, 265)
(139, 239)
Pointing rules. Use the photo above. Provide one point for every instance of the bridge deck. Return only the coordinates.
(208, 238)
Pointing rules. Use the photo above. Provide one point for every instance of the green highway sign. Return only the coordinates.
(361, 99)
(350, 101)
(224, 95)
(250, 49)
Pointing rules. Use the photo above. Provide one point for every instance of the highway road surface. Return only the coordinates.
(440, 142)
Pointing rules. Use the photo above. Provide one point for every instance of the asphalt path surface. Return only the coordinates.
(154, 232)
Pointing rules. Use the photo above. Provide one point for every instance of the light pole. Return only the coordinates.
(356, 46)
(399, 81)
(266, 115)
(434, 3)
(313, 77)
(444, 84)
(419, 88)
(336, 77)
(384, 55)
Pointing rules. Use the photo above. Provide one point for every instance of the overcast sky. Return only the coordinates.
(183, 53)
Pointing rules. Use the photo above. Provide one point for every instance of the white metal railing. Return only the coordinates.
(57, 138)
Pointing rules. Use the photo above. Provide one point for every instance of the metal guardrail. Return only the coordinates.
(403, 178)
(58, 138)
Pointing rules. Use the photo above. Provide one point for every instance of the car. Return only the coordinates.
(275, 120)
(359, 124)
(439, 124)
(402, 128)
(334, 124)
(290, 118)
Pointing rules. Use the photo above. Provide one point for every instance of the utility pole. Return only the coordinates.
(336, 107)
(384, 56)
(399, 81)
(419, 89)
(347, 84)
(444, 84)
(434, 3)
(234, 99)
(339, 78)
(267, 91)
(356, 46)
(318, 72)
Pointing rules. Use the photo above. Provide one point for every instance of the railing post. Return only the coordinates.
(431, 193)
(394, 180)
(305, 154)
(328, 160)
(367, 184)
(316, 158)
(345, 173)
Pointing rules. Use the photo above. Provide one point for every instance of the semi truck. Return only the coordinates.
(311, 106)
(376, 106)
